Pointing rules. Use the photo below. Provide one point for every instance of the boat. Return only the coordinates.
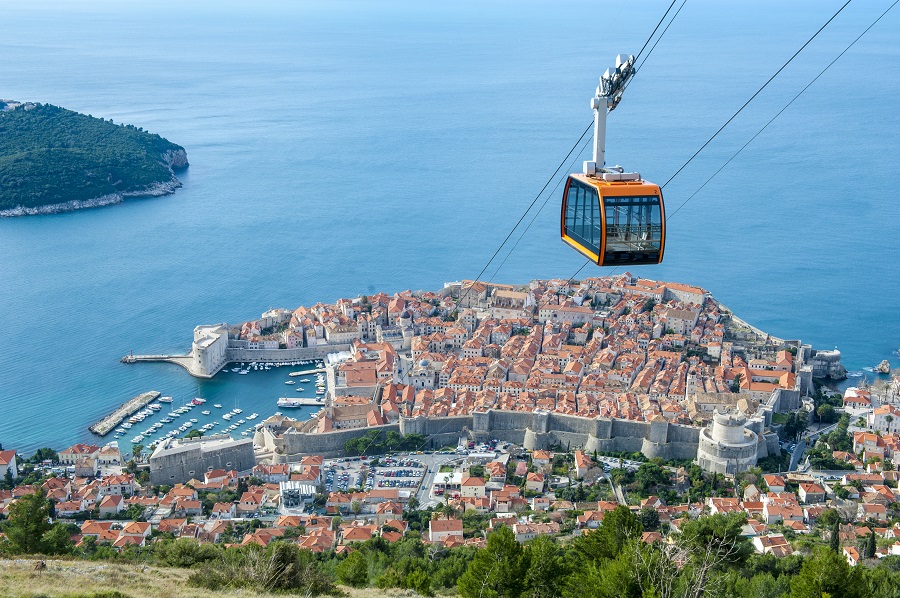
(165, 399)
(198, 401)
(238, 410)
(321, 391)
(289, 382)
(227, 416)
(290, 403)
(305, 381)
(252, 416)
(194, 421)
(217, 406)
(155, 406)
(127, 425)
(205, 412)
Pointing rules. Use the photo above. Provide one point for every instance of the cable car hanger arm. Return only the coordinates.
(606, 98)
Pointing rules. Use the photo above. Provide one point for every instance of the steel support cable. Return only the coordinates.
(653, 47)
(585, 145)
(748, 101)
(525, 213)
(655, 29)
(534, 201)
(786, 106)
(758, 91)
(541, 209)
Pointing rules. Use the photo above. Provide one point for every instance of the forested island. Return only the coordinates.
(55, 160)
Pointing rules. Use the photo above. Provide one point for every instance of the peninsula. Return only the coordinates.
(617, 363)
(56, 160)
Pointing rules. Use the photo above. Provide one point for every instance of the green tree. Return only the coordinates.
(650, 476)
(834, 541)
(870, 545)
(44, 454)
(826, 573)
(419, 581)
(826, 414)
(649, 518)
(619, 526)
(736, 384)
(498, 570)
(546, 569)
(718, 534)
(29, 530)
(353, 570)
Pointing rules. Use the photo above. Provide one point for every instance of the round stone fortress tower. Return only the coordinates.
(727, 447)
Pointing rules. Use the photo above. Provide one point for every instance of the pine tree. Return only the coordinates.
(498, 570)
(29, 530)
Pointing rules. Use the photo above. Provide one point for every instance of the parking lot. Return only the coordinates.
(346, 474)
(399, 473)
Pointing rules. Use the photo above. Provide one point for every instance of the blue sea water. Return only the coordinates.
(340, 147)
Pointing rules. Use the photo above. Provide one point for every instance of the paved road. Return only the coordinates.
(797, 454)
(433, 465)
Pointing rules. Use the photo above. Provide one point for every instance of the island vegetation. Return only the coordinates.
(53, 159)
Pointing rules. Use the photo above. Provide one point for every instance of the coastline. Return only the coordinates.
(174, 160)
(155, 190)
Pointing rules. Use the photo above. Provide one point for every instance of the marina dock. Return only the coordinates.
(112, 420)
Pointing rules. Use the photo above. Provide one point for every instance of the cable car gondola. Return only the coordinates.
(612, 217)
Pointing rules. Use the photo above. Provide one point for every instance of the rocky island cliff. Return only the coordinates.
(56, 160)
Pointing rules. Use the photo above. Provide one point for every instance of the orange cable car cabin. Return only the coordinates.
(614, 223)
(612, 217)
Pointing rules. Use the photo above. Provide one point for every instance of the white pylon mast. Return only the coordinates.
(605, 100)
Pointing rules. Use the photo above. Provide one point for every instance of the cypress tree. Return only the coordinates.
(835, 541)
(870, 546)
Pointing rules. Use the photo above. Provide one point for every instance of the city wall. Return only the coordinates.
(233, 354)
(533, 430)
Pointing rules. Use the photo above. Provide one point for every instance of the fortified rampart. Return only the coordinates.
(177, 461)
(282, 355)
(533, 430)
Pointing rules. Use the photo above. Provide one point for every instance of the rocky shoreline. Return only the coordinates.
(155, 190)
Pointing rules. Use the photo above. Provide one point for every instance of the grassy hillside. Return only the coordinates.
(98, 579)
(50, 155)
